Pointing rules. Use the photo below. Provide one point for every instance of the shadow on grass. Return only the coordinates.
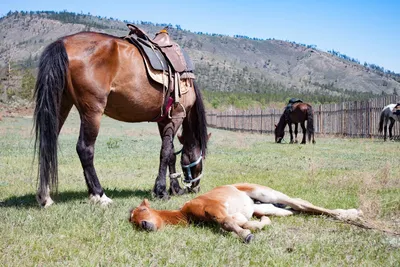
(29, 200)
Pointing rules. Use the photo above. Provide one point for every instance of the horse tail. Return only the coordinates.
(50, 84)
(201, 122)
(381, 121)
(310, 122)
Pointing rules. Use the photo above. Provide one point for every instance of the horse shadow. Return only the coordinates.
(29, 200)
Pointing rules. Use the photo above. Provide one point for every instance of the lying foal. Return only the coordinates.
(232, 206)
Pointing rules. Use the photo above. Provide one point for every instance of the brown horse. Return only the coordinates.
(300, 113)
(102, 74)
(232, 207)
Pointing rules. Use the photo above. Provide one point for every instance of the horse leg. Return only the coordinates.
(291, 133)
(231, 224)
(90, 124)
(296, 131)
(390, 128)
(167, 158)
(43, 197)
(303, 127)
(268, 195)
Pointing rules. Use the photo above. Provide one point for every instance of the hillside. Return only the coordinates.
(223, 63)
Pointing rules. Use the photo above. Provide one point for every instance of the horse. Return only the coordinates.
(103, 74)
(388, 113)
(300, 113)
(232, 207)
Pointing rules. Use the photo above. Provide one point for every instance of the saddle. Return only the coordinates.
(166, 63)
(289, 107)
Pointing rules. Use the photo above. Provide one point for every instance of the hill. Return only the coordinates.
(273, 69)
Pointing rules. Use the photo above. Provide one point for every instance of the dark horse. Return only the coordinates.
(300, 113)
(388, 113)
(102, 74)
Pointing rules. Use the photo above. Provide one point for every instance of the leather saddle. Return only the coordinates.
(166, 63)
(162, 52)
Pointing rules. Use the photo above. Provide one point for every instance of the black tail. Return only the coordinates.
(310, 123)
(200, 123)
(381, 121)
(50, 84)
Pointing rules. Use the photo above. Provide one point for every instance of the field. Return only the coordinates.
(334, 173)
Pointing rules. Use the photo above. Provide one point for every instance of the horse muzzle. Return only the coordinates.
(148, 226)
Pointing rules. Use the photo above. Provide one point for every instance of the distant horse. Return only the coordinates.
(300, 113)
(232, 207)
(388, 113)
(102, 74)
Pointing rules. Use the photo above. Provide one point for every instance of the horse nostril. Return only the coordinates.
(148, 226)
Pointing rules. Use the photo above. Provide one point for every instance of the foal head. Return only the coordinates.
(145, 218)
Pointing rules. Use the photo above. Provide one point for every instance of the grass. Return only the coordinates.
(334, 173)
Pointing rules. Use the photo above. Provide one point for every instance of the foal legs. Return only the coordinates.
(268, 195)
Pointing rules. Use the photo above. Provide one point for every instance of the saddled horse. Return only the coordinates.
(103, 74)
(390, 113)
(232, 207)
(301, 112)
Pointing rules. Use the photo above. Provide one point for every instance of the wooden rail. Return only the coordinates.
(354, 119)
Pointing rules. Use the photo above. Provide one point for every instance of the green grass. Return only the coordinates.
(334, 173)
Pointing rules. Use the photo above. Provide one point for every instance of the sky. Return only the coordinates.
(366, 30)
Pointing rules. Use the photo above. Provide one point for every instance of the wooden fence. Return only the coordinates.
(354, 119)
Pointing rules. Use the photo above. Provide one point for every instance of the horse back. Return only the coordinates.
(109, 73)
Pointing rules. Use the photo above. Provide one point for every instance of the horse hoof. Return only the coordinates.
(249, 238)
(162, 196)
(175, 192)
(103, 200)
(44, 203)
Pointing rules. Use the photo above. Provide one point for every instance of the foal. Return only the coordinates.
(232, 207)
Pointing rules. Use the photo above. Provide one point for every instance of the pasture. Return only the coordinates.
(334, 173)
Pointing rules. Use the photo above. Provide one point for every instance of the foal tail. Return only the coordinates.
(50, 84)
(381, 121)
(310, 123)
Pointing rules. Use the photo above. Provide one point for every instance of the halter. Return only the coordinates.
(189, 180)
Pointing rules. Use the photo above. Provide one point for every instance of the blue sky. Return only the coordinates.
(366, 30)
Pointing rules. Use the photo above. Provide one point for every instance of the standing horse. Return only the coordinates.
(102, 74)
(300, 113)
(388, 114)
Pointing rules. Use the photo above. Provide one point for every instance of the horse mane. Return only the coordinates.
(197, 121)
(280, 127)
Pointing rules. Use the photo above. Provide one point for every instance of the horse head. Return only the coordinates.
(192, 163)
(279, 133)
(145, 218)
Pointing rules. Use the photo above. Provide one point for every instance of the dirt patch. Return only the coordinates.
(16, 109)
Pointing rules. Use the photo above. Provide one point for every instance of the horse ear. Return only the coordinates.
(180, 138)
(208, 136)
(276, 126)
(145, 202)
